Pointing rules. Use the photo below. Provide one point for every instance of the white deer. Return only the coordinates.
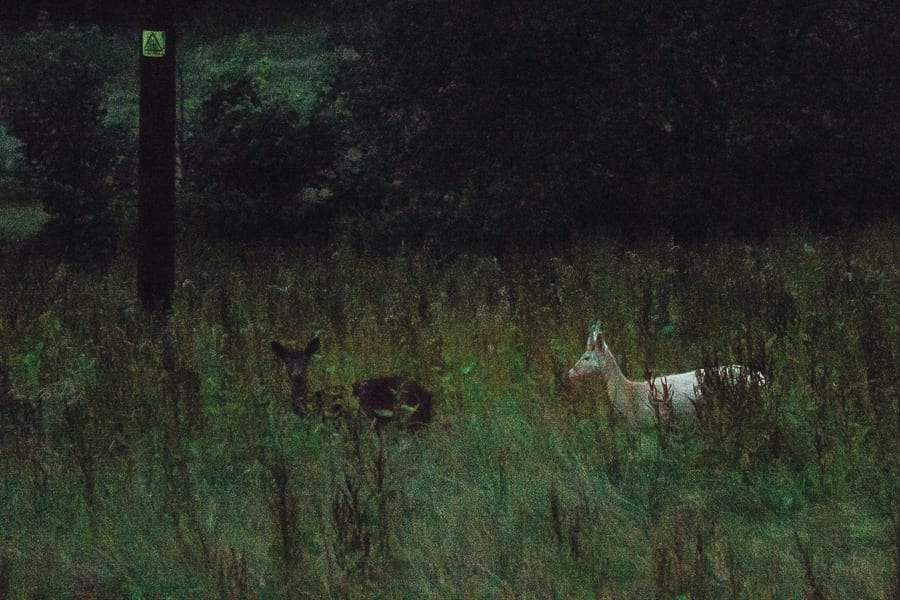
(635, 398)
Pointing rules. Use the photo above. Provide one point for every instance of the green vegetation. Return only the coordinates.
(130, 476)
(19, 222)
(450, 207)
(550, 121)
(71, 107)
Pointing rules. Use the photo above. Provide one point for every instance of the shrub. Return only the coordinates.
(13, 188)
(10, 153)
(258, 165)
(54, 93)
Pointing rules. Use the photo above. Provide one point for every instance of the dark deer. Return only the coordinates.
(381, 399)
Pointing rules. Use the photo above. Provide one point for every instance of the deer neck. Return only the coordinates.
(327, 402)
(299, 395)
(300, 389)
(626, 395)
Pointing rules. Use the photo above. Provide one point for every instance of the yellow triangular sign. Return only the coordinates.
(153, 44)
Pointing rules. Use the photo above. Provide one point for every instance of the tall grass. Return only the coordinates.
(140, 462)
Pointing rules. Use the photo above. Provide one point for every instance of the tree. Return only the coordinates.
(644, 116)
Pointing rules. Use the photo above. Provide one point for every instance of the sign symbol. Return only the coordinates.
(153, 44)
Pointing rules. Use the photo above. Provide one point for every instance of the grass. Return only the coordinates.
(127, 478)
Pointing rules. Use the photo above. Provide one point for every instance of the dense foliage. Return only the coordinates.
(257, 164)
(54, 95)
(634, 116)
(466, 124)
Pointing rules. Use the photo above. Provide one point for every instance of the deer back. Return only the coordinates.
(384, 398)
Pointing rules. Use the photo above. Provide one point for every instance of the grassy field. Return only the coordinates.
(144, 463)
(128, 475)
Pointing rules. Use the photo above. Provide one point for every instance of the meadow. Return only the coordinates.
(150, 461)
(145, 461)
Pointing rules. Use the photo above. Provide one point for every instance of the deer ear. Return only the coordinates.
(279, 350)
(312, 347)
(593, 335)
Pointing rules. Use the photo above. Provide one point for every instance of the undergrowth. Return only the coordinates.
(141, 463)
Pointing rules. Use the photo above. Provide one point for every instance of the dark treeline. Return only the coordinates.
(495, 122)
(685, 116)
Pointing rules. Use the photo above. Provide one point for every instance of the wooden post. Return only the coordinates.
(156, 206)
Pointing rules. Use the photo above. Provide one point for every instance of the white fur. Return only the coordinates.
(633, 398)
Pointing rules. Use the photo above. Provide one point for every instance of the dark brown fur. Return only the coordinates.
(380, 398)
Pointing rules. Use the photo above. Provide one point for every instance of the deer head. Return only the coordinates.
(296, 362)
(595, 357)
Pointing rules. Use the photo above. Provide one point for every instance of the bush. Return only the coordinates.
(10, 153)
(13, 189)
(54, 93)
(259, 166)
